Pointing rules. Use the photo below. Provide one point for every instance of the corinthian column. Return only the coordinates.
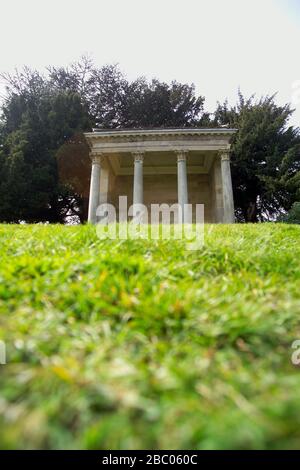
(138, 196)
(227, 188)
(182, 187)
(94, 187)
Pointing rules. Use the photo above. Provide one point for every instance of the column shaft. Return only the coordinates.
(94, 188)
(227, 188)
(104, 182)
(217, 192)
(182, 180)
(138, 191)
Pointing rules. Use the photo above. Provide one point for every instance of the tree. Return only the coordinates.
(293, 216)
(114, 102)
(36, 121)
(158, 104)
(265, 157)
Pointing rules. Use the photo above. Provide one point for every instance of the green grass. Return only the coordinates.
(142, 344)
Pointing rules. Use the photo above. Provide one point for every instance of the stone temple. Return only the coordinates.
(156, 166)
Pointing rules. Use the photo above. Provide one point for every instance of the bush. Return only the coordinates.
(293, 216)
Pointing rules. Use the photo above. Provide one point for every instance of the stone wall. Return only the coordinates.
(160, 189)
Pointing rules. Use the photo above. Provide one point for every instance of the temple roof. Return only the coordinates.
(160, 131)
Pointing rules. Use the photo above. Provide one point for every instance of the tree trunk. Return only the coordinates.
(252, 213)
(84, 212)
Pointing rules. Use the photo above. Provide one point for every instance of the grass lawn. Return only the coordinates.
(142, 344)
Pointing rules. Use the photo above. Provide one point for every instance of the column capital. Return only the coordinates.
(224, 155)
(97, 158)
(138, 156)
(181, 155)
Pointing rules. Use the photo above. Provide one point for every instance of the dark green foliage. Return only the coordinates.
(158, 104)
(293, 216)
(36, 121)
(115, 102)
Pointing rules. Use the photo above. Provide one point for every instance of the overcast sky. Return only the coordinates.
(219, 45)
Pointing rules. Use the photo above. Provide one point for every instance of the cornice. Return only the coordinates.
(128, 134)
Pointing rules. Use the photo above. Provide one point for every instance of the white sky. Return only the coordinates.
(219, 45)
